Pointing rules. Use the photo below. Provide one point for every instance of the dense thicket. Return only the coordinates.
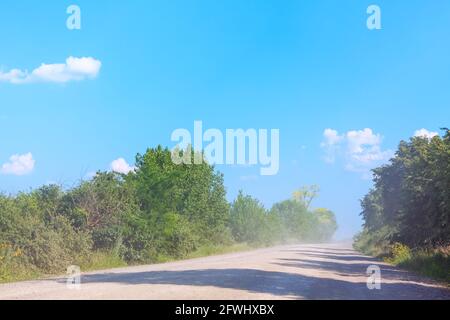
(160, 210)
(410, 201)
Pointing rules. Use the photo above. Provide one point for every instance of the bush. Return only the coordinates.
(373, 243)
(430, 262)
(411, 193)
(9, 260)
(158, 212)
(399, 253)
(13, 265)
(53, 248)
(179, 238)
(248, 220)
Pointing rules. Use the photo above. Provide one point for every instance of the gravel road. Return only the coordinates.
(323, 271)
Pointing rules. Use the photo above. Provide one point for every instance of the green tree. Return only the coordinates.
(195, 194)
(410, 200)
(249, 220)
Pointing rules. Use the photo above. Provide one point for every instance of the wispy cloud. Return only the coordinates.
(74, 69)
(331, 144)
(18, 165)
(360, 149)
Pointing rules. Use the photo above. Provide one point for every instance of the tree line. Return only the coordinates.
(410, 202)
(160, 210)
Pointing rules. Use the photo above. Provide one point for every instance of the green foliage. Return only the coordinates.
(14, 266)
(186, 204)
(409, 206)
(159, 212)
(99, 260)
(179, 237)
(431, 262)
(374, 243)
(411, 194)
(249, 220)
(434, 263)
(46, 239)
(54, 247)
(399, 254)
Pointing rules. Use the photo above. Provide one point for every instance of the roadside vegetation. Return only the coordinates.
(407, 213)
(159, 212)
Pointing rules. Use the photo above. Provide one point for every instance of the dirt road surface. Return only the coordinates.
(323, 271)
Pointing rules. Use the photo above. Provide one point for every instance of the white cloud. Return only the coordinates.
(121, 166)
(360, 149)
(331, 142)
(19, 165)
(12, 76)
(424, 133)
(359, 140)
(74, 69)
(332, 137)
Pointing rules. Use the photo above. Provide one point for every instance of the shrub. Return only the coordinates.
(399, 253)
(52, 248)
(13, 265)
(179, 236)
(248, 220)
(430, 262)
(158, 212)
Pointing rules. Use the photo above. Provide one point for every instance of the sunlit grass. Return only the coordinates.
(432, 263)
(102, 260)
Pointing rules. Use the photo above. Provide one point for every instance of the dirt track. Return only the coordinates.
(332, 271)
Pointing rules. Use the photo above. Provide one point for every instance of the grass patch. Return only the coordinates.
(14, 266)
(14, 271)
(102, 260)
(17, 272)
(431, 263)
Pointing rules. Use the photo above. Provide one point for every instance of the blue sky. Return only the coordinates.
(298, 66)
